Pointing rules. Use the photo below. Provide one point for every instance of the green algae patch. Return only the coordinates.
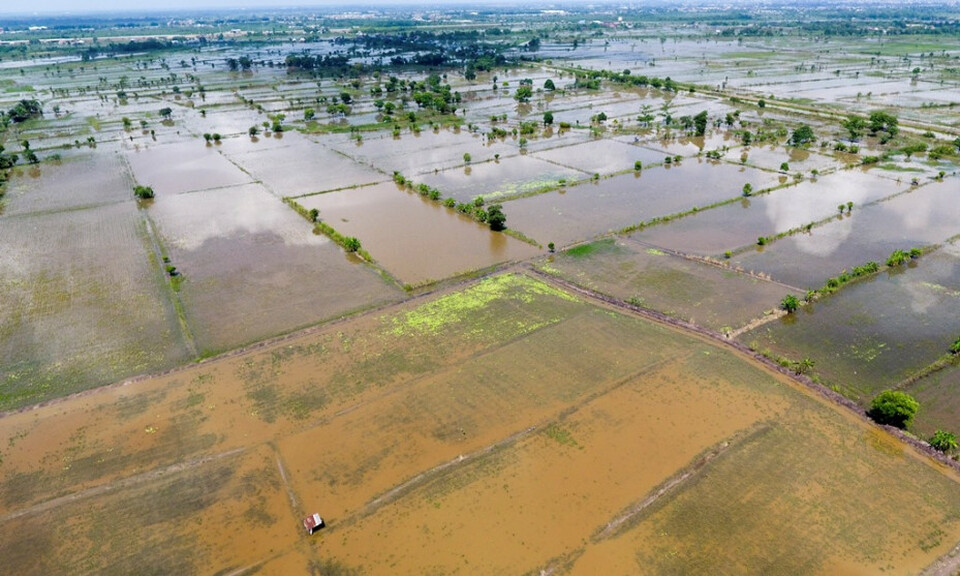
(470, 307)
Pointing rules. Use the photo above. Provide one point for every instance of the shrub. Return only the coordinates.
(894, 408)
(790, 303)
(351, 244)
(943, 441)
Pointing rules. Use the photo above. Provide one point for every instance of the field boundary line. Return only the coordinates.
(666, 488)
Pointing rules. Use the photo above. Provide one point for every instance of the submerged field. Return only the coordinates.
(503, 426)
(318, 311)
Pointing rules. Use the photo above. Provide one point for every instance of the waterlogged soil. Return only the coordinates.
(740, 224)
(412, 154)
(83, 304)
(467, 432)
(415, 238)
(602, 156)
(81, 180)
(941, 406)
(711, 296)
(300, 166)
(576, 213)
(503, 178)
(829, 501)
(926, 215)
(183, 167)
(874, 333)
(249, 267)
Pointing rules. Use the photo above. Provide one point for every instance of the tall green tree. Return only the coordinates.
(496, 218)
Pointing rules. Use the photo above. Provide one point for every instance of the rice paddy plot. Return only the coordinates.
(299, 166)
(940, 404)
(722, 300)
(83, 304)
(503, 178)
(927, 215)
(183, 167)
(798, 160)
(413, 154)
(874, 333)
(248, 267)
(398, 227)
(601, 156)
(172, 522)
(80, 180)
(580, 212)
(714, 231)
(810, 493)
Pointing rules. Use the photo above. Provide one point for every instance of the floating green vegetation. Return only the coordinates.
(456, 308)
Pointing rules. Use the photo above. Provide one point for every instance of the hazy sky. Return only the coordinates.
(77, 6)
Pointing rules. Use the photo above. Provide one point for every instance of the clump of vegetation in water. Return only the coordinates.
(143, 192)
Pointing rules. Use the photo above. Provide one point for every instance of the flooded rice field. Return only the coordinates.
(400, 228)
(447, 397)
(183, 167)
(249, 267)
(720, 299)
(926, 215)
(740, 224)
(404, 421)
(580, 212)
(876, 332)
(602, 156)
(501, 178)
(84, 303)
(297, 166)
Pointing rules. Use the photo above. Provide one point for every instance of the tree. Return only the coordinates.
(748, 189)
(25, 110)
(881, 121)
(849, 207)
(496, 218)
(314, 214)
(894, 408)
(943, 441)
(308, 114)
(143, 192)
(855, 125)
(785, 167)
(549, 85)
(700, 123)
(790, 303)
(208, 137)
(547, 118)
(165, 113)
(802, 135)
(466, 157)
(253, 131)
(523, 94)
(955, 347)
